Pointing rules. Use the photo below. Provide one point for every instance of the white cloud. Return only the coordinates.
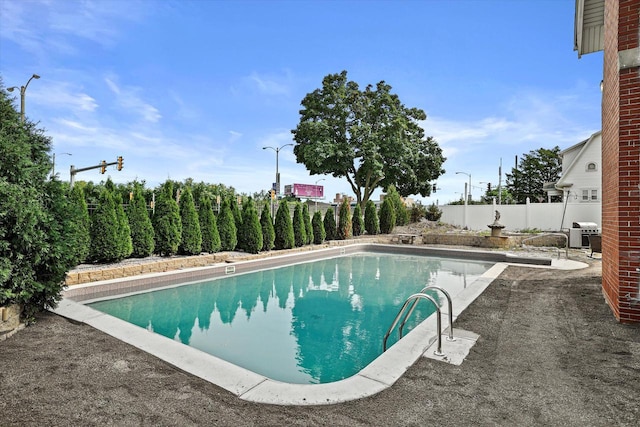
(63, 96)
(234, 136)
(41, 27)
(129, 100)
(271, 85)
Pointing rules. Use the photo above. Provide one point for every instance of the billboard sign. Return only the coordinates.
(308, 190)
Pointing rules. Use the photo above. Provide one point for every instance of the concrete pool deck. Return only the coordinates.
(549, 352)
(381, 374)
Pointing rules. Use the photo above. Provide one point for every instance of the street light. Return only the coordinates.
(53, 169)
(465, 190)
(23, 90)
(321, 179)
(277, 150)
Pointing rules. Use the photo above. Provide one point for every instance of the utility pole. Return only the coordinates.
(500, 182)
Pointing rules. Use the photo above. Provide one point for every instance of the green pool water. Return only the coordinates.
(309, 323)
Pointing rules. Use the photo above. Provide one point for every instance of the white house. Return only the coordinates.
(580, 184)
(581, 180)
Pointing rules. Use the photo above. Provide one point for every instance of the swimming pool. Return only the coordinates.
(307, 323)
(375, 377)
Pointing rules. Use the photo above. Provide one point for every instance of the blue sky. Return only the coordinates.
(196, 88)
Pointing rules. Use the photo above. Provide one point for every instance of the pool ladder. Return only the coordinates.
(413, 300)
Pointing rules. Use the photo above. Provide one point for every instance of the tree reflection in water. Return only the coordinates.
(331, 315)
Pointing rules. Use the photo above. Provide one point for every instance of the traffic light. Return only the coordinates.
(273, 194)
(103, 169)
(434, 188)
(488, 187)
(120, 163)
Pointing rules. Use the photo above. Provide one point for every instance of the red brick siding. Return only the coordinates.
(621, 163)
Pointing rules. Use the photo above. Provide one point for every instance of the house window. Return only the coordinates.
(589, 195)
(591, 167)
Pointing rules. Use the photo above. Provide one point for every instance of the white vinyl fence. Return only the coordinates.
(541, 216)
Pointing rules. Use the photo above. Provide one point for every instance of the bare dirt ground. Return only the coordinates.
(550, 352)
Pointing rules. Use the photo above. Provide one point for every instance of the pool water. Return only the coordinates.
(308, 323)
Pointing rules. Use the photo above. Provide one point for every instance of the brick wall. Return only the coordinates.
(621, 162)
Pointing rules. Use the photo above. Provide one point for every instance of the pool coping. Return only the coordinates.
(380, 374)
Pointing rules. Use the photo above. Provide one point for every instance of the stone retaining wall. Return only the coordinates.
(94, 275)
(10, 320)
(176, 263)
(504, 242)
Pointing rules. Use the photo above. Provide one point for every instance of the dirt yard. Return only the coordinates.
(550, 353)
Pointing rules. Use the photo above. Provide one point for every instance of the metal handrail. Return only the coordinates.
(438, 352)
(415, 302)
(566, 239)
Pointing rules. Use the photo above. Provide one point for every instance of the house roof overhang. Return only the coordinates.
(588, 35)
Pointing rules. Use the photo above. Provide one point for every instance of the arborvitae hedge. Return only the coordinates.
(191, 242)
(81, 224)
(357, 223)
(318, 228)
(34, 251)
(307, 224)
(299, 229)
(235, 210)
(329, 225)
(401, 213)
(344, 221)
(387, 216)
(227, 227)
(140, 225)
(167, 227)
(124, 231)
(105, 245)
(284, 227)
(208, 226)
(371, 223)
(268, 232)
(251, 231)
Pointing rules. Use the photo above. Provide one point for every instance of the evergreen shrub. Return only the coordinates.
(250, 230)
(343, 231)
(329, 225)
(371, 223)
(318, 228)
(191, 238)
(284, 227)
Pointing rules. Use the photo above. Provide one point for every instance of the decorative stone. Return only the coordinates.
(496, 227)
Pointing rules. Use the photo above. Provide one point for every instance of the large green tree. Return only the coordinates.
(367, 137)
(532, 171)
